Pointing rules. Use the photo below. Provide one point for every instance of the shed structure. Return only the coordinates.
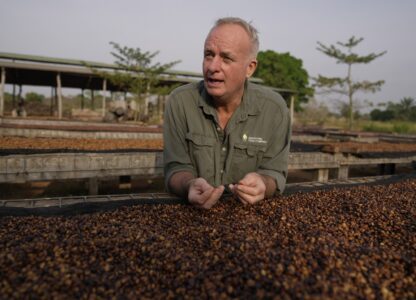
(58, 73)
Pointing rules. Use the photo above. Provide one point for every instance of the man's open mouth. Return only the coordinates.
(215, 81)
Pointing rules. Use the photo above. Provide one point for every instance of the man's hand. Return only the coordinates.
(253, 188)
(202, 194)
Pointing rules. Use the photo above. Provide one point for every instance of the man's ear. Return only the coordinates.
(251, 68)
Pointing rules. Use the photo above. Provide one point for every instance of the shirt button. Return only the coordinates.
(218, 129)
(222, 171)
(224, 149)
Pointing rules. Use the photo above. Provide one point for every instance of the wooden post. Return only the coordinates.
(2, 83)
(55, 102)
(52, 99)
(59, 92)
(146, 100)
(343, 172)
(21, 111)
(322, 175)
(104, 95)
(82, 99)
(92, 100)
(93, 184)
(292, 109)
(14, 96)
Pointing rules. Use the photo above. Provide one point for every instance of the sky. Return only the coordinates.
(83, 29)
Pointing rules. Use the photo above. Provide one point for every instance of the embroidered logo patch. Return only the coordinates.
(253, 139)
(258, 140)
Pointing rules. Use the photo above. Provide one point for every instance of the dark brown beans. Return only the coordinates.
(337, 244)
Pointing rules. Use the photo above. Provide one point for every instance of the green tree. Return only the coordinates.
(345, 85)
(405, 107)
(402, 110)
(34, 97)
(282, 70)
(381, 115)
(136, 73)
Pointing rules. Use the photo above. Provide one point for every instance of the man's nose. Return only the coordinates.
(215, 64)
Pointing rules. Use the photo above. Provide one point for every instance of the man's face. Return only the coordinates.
(227, 62)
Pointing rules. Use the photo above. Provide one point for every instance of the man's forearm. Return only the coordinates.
(270, 185)
(179, 183)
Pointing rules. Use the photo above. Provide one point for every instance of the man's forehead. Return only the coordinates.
(228, 27)
(226, 39)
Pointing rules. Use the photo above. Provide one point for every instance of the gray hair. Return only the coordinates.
(251, 31)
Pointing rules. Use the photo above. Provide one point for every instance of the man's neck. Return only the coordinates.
(225, 110)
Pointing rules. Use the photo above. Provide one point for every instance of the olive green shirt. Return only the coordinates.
(256, 138)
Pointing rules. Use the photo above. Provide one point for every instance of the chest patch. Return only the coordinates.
(253, 139)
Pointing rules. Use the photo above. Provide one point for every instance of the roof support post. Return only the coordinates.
(52, 100)
(104, 95)
(14, 96)
(146, 100)
(59, 92)
(2, 83)
(82, 99)
(92, 100)
(292, 108)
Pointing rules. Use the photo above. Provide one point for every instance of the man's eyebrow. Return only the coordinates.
(226, 54)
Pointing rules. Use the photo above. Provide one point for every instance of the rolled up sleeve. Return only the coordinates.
(175, 150)
(275, 159)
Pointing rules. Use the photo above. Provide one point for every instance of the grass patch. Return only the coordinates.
(400, 127)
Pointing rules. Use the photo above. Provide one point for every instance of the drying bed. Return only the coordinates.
(343, 243)
(24, 145)
(20, 145)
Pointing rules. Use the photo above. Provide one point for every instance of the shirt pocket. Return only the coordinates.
(201, 151)
(246, 158)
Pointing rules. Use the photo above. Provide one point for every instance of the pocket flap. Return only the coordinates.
(200, 140)
(251, 149)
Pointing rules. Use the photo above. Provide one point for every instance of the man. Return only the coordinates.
(225, 131)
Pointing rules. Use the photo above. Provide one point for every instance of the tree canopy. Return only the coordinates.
(405, 110)
(345, 85)
(138, 74)
(282, 70)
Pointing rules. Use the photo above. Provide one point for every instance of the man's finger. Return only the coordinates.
(248, 190)
(248, 199)
(214, 197)
(199, 191)
(248, 194)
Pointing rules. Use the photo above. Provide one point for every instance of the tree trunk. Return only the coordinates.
(350, 94)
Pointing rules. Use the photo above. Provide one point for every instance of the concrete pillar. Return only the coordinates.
(322, 175)
(14, 96)
(104, 95)
(52, 98)
(292, 108)
(343, 172)
(59, 92)
(93, 186)
(82, 99)
(146, 100)
(2, 83)
(92, 100)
